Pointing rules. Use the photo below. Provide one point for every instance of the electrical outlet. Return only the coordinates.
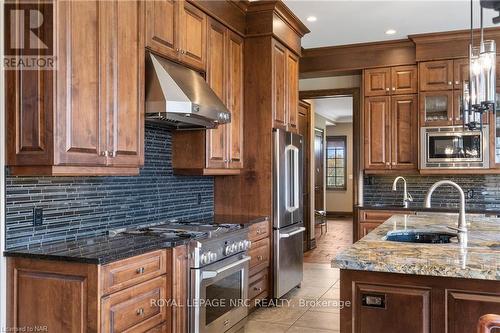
(199, 198)
(37, 216)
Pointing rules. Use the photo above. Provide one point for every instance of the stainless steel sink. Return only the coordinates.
(420, 236)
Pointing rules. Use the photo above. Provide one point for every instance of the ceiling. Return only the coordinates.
(334, 109)
(341, 22)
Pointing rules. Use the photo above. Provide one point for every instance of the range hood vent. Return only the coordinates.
(180, 97)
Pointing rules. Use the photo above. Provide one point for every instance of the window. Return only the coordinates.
(336, 162)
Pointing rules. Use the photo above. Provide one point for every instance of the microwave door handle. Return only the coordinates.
(211, 274)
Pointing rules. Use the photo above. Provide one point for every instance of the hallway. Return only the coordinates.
(328, 245)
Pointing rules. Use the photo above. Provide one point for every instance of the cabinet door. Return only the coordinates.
(193, 35)
(292, 91)
(83, 70)
(436, 75)
(391, 309)
(377, 122)
(460, 72)
(216, 77)
(235, 99)
(377, 81)
(162, 18)
(457, 109)
(464, 309)
(436, 108)
(126, 119)
(404, 132)
(278, 84)
(366, 227)
(404, 80)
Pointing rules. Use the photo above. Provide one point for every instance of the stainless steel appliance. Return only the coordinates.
(452, 147)
(180, 97)
(218, 271)
(287, 211)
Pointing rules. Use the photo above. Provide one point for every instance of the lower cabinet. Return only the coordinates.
(129, 295)
(370, 219)
(260, 251)
(395, 303)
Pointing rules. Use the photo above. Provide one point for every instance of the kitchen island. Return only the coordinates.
(416, 287)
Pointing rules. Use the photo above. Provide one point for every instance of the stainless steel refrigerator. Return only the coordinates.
(288, 226)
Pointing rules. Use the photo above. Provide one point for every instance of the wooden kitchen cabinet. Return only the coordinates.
(460, 73)
(285, 87)
(115, 297)
(377, 131)
(88, 118)
(371, 219)
(177, 30)
(436, 108)
(390, 81)
(436, 75)
(404, 140)
(217, 151)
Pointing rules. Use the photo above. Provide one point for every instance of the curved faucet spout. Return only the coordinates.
(462, 226)
(406, 196)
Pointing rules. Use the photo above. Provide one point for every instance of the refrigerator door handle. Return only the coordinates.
(291, 178)
(298, 231)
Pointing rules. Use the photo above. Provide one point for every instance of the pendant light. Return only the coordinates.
(479, 92)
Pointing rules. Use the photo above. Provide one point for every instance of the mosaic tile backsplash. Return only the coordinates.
(482, 191)
(78, 207)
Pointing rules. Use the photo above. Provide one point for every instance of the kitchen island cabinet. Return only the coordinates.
(410, 287)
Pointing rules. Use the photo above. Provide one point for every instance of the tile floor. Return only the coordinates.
(311, 308)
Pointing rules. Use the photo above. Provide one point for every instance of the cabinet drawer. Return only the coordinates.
(258, 231)
(260, 256)
(379, 215)
(131, 310)
(131, 271)
(257, 284)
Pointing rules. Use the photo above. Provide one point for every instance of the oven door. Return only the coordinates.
(219, 292)
(452, 147)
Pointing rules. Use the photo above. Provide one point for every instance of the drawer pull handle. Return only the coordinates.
(259, 289)
(140, 270)
(140, 312)
(259, 231)
(259, 258)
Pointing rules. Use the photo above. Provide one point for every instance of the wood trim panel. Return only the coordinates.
(72, 171)
(335, 60)
(179, 282)
(230, 13)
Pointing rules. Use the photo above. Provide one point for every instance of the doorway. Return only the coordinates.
(335, 166)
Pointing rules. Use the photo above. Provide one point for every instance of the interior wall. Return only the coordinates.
(341, 200)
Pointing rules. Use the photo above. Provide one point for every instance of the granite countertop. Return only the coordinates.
(480, 259)
(420, 208)
(104, 249)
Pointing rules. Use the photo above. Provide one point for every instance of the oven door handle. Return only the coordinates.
(211, 274)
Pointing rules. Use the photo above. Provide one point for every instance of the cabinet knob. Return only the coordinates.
(457, 82)
(259, 231)
(393, 163)
(450, 119)
(140, 312)
(259, 289)
(259, 258)
(177, 50)
(449, 83)
(104, 153)
(393, 88)
(387, 163)
(140, 270)
(112, 153)
(386, 89)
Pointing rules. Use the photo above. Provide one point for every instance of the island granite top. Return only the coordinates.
(480, 259)
(104, 249)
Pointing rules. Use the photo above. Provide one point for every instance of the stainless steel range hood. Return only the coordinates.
(180, 97)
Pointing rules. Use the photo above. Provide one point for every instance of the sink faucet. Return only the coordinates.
(462, 226)
(406, 196)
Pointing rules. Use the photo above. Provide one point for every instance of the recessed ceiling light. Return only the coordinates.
(390, 32)
(311, 19)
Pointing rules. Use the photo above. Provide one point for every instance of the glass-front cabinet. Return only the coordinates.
(436, 108)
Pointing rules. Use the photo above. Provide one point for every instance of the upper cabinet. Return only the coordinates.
(285, 87)
(88, 118)
(390, 81)
(436, 75)
(217, 151)
(177, 30)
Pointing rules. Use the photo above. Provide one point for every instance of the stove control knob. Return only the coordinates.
(247, 244)
(234, 248)
(241, 246)
(213, 256)
(227, 250)
(205, 258)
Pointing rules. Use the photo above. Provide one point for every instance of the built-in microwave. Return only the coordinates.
(453, 147)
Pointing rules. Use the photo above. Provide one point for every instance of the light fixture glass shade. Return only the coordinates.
(488, 70)
(476, 90)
